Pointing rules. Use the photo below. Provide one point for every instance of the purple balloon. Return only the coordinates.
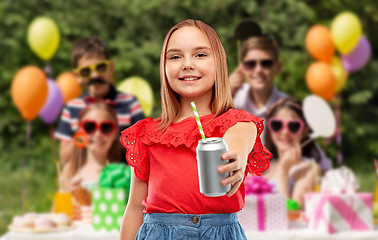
(53, 104)
(358, 57)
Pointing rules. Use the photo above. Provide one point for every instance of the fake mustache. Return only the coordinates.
(97, 80)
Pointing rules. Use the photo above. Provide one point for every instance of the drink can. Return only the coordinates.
(208, 160)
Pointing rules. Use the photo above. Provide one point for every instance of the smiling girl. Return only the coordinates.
(165, 201)
(291, 169)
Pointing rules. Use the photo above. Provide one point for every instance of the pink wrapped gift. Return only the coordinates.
(263, 210)
(331, 213)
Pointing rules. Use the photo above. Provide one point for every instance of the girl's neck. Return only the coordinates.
(260, 97)
(202, 105)
(96, 159)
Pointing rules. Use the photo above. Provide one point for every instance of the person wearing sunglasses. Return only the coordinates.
(259, 65)
(94, 70)
(98, 126)
(292, 166)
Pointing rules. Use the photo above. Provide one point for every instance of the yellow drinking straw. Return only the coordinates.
(198, 121)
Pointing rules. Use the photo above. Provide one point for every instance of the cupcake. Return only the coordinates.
(20, 222)
(293, 210)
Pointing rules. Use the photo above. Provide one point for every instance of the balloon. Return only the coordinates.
(319, 116)
(340, 73)
(346, 31)
(29, 91)
(320, 80)
(141, 89)
(319, 43)
(358, 57)
(53, 104)
(69, 86)
(43, 37)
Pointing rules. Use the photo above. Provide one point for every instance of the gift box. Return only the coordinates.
(110, 198)
(263, 210)
(339, 207)
(331, 213)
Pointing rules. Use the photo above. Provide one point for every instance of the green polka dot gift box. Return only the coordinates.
(110, 198)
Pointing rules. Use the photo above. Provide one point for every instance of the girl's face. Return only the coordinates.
(260, 69)
(190, 65)
(286, 129)
(100, 128)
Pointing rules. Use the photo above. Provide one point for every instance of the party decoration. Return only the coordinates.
(43, 37)
(80, 139)
(346, 31)
(340, 73)
(358, 57)
(29, 91)
(141, 89)
(69, 86)
(53, 104)
(319, 43)
(320, 80)
(319, 116)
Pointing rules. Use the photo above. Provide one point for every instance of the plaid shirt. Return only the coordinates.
(127, 107)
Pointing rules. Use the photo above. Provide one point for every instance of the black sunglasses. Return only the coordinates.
(251, 64)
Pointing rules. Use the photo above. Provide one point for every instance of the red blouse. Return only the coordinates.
(167, 162)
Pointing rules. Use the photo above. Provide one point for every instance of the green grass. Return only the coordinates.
(40, 187)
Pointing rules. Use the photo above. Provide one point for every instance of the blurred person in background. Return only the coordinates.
(94, 70)
(293, 168)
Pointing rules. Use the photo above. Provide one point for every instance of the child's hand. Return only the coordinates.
(290, 157)
(236, 168)
(236, 78)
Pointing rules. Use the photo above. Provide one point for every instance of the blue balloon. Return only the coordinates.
(54, 103)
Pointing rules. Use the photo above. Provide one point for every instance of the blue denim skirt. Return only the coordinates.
(188, 226)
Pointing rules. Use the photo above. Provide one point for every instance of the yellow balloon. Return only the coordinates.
(346, 31)
(140, 88)
(43, 37)
(341, 74)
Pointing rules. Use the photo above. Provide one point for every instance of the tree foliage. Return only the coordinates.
(134, 31)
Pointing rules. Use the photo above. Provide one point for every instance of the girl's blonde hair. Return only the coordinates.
(221, 100)
(114, 153)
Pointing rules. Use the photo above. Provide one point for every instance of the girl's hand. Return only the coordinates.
(290, 157)
(236, 79)
(236, 168)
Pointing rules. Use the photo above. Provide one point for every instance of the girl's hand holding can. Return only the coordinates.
(236, 167)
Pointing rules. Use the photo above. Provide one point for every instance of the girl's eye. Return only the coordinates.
(201, 55)
(174, 57)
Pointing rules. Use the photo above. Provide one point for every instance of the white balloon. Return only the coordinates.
(319, 116)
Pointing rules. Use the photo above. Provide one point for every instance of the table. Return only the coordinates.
(296, 232)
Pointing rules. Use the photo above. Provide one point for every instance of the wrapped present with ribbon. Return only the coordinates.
(263, 209)
(338, 207)
(110, 198)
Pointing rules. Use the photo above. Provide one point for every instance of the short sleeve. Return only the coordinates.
(136, 154)
(258, 158)
(64, 130)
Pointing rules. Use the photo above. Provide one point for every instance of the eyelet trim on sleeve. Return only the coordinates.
(136, 154)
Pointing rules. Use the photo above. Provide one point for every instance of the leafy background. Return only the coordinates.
(134, 31)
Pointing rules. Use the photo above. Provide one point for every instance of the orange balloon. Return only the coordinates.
(321, 80)
(29, 91)
(319, 43)
(69, 86)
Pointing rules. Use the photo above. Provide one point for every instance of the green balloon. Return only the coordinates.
(43, 37)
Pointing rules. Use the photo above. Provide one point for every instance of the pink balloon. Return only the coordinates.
(358, 57)
(54, 103)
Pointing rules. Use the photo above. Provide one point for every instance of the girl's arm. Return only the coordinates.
(133, 216)
(240, 139)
